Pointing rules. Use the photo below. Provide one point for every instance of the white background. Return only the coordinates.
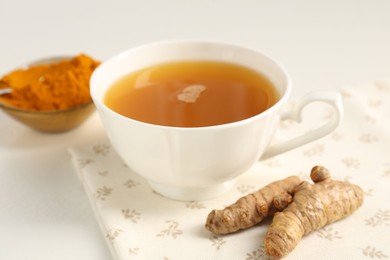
(44, 213)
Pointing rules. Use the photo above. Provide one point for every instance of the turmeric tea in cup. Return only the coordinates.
(191, 94)
(192, 116)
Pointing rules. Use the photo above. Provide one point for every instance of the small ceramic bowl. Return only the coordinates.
(51, 121)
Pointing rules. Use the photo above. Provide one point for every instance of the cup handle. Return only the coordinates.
(334, 99)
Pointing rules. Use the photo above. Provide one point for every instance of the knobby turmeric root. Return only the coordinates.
(313, 207)
(253, 208)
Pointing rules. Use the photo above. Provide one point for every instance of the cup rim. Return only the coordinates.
(283, 97)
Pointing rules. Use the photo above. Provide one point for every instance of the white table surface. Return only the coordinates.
(44, 210)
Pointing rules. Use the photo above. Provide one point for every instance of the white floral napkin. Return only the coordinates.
(140, 224)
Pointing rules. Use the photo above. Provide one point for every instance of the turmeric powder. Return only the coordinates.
(48, 87)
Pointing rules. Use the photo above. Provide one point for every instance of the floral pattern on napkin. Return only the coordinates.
(138, 223)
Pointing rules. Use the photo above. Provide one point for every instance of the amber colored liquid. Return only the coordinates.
(161, 95)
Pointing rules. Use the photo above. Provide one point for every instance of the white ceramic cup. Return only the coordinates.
(201, 162)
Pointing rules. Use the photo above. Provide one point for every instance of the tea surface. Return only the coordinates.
(191, 94)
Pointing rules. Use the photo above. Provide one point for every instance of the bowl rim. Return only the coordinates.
(45, 112)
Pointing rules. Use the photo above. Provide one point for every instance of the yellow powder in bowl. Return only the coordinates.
(48, 87)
